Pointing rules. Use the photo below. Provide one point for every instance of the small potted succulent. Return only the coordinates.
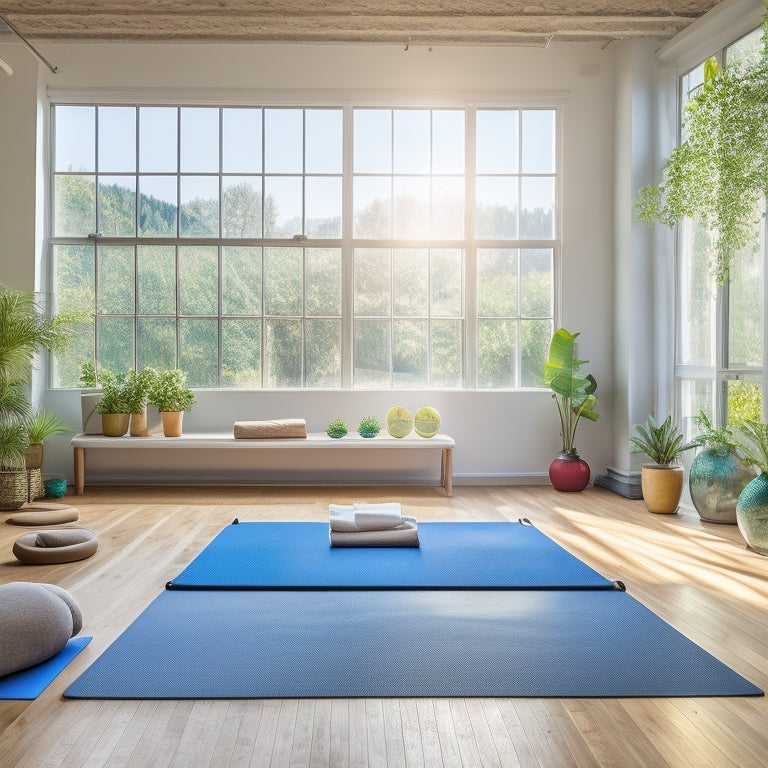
(369, 426)
(718, 474)
(662, 479)
(336, 429)
(171, 396)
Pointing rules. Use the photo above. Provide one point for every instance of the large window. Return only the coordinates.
(721, 329)
(320, 247)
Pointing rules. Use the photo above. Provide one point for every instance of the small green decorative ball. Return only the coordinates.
(337, 428)
(369, 427)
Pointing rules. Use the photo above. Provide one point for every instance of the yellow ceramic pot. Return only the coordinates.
(662, 486)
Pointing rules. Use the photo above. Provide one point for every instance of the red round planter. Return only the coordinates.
(570, 474)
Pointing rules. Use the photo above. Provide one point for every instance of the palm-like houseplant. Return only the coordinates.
(719, 174)
(25, 329)
(662, 479)
(574, 394)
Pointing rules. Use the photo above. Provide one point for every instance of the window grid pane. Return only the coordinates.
(211, 273)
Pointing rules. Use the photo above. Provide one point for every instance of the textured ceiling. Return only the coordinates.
(380, 21)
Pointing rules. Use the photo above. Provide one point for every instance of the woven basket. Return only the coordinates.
(36, 488)
(14, 489)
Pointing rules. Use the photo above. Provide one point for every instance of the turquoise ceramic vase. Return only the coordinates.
(752, 514)
(715, 480)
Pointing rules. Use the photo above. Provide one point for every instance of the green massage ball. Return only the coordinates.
(369, 427)
(337, 428)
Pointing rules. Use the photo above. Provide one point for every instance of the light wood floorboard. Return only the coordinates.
(697, 576)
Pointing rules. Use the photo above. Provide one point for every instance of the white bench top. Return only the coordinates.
(227, 440)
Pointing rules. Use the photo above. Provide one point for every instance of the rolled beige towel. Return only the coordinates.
(271, 429)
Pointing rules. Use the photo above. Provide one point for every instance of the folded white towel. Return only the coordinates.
(404, 535)
(365, 517)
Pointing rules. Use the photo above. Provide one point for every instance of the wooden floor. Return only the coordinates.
(698, 577)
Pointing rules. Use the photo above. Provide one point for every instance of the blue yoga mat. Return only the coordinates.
(413, 643)
(272, 555)
(31, 682)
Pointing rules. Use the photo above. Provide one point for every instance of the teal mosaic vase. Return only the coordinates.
(715, 480)
(752, 514)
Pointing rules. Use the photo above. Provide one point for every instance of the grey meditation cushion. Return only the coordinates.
(65, 545)
(43, 513)
(36, 622)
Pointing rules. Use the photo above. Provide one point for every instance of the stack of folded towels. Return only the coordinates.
(372, 525)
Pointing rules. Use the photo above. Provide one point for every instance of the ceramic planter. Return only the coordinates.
(114, 424)
(569, 473)
(752, 514)
(715, 480)
(91, 419)
(662, 487)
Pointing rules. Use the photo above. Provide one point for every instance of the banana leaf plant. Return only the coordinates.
(573, 391)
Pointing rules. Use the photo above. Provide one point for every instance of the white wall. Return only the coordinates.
(501, 437)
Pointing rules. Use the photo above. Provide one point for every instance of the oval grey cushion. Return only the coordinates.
(36, 622)
(65, 545)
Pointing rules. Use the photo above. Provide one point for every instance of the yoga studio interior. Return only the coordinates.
(376, 237)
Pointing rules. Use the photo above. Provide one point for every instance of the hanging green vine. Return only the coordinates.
(719, 174)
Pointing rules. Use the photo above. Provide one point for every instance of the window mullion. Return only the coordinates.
(347, 249)
(470, 253)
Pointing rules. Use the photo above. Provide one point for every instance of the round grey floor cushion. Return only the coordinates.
(65, 545)
(43, 513)
(36, 622)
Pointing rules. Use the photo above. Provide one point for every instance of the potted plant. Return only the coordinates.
(574, 394)
(14, 441)
(662, 480)
(113, 405)
(171, 396)
(136, 386)
(718, 173)
(42, 424)
(25, 329)
(752, 505)
(718, 474)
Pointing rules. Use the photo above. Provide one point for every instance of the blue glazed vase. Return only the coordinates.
(715, 480)
(752, 514)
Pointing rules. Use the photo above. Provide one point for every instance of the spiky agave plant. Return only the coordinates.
(662, 443)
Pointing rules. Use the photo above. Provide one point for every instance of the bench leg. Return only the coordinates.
(446, 471)
(79, 471)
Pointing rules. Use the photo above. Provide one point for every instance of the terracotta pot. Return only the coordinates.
(114, 424)
(139, 424)
(569, 473)
(662, 487)
(172, 423)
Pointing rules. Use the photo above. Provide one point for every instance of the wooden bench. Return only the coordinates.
(315, 441)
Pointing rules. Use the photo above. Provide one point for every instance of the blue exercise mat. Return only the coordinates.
(412, 643)
(31, 682)
(279, 555)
